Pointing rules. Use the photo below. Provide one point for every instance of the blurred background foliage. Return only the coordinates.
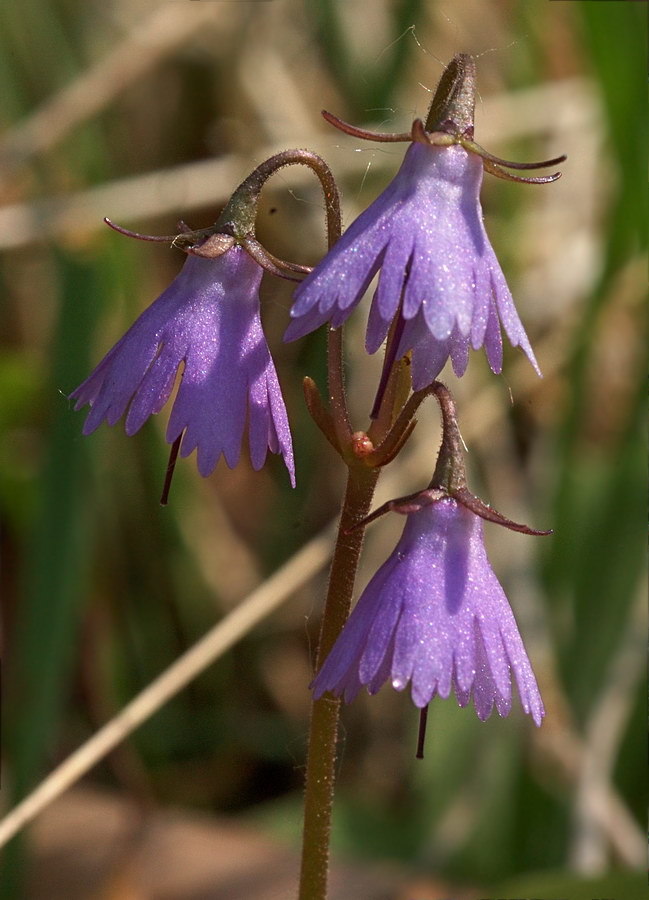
(148, 112)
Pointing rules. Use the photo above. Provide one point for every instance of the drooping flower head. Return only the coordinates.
(434, 616)
(208, 322)
(425, 236)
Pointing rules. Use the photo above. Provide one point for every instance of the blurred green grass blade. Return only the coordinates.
(612, 543)
(486, 852)
(511, 823)
(390, 67)
(631, 765)
(615, 36)
(621, 885)
(335, 48)
(41, 54)
(541, 824)
(45, 635)
(20, 384)
(370, 87)
(594, 561)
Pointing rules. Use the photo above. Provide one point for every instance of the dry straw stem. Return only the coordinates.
(563, 747)
(147, 44)
(259, 604)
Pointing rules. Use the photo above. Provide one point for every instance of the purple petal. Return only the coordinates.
(460, 354)
(393, 274)
(381, 632)
(154, 390)
(482, 305)
(348, 650)
(207, 321)
(377, 330)
(428, 354)
(484, 688)
(493, 340)
(305, 324)
(383, 672)
(509, 317)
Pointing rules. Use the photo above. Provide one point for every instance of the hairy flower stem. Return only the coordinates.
(361, 481)
(240, 213)
(323, 731)
(336, 385)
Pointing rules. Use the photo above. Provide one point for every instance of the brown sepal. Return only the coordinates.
(405, 505)
(482, 509)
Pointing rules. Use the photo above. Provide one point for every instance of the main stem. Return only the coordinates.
(323, 731)
(361, 481)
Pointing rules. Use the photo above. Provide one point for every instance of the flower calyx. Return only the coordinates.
(450, 121)
(413, 503)
(358, 447)
(449, 477)
(236, 223)
(207, 242)
(215, 241)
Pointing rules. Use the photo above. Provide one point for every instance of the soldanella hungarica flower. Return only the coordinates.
(205, 329)
(439, 279)
(435, 616)
(208, 322)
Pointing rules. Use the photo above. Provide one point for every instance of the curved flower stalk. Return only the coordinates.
(207, 321)
(435, 616)
(425, 235)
